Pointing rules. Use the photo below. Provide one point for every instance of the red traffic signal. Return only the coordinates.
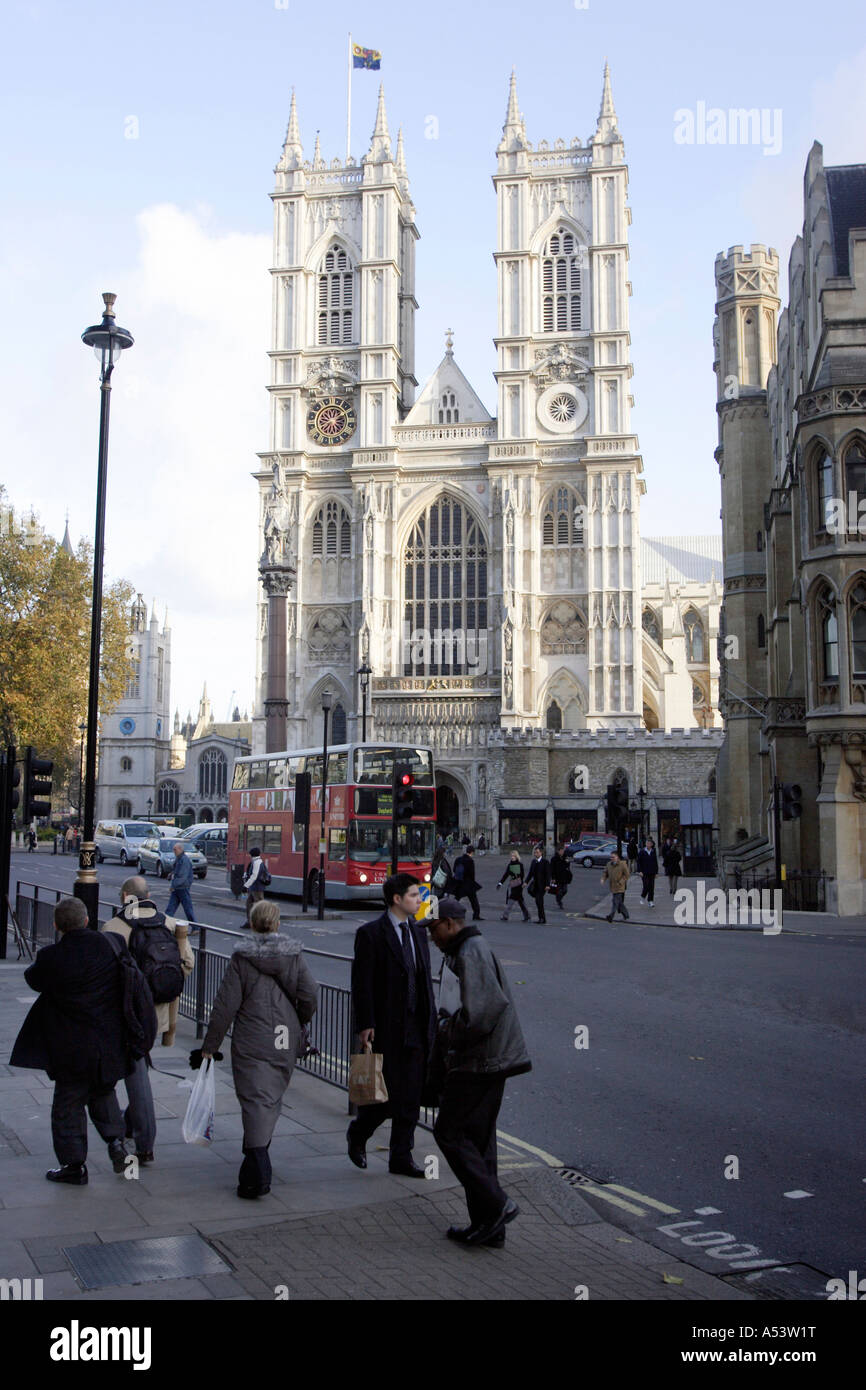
(404, 797)
(406, 779)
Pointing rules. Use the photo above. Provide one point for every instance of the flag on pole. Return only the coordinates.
(365, 57)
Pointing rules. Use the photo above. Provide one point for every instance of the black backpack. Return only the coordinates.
(139, 1014)
(264, 877)
(157, 954)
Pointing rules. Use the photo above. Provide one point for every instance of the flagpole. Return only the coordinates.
(349, 104)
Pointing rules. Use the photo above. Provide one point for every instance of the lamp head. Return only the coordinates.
(107, 340)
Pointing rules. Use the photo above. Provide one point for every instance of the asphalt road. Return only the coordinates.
(722, 1071)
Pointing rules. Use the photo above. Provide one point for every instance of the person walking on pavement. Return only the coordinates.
(76, 1033)
(137, 918)
(481, 1045)
(631, 852)
(31, 841)
(673, 866)
(560, 874)
(538, 880)
(70, 841)
(266, 997)
(392, 995)
(466, 884)
(513, 879)
(253, 885)
(181, 876)
(648, 867)
(616, 874)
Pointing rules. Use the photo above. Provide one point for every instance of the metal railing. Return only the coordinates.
(801, 892)
(35, 912)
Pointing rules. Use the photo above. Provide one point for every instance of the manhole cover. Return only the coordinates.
(143, 1261)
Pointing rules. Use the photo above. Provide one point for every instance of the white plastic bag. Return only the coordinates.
(198, 1120)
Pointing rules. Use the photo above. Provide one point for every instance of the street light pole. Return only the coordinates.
(640, 796)
(364, 673)
(107, 341)
(82, 728)
(327, 700)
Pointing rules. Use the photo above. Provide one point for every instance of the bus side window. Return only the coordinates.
(338, 768)
(337, 845)
(258, 774)
(241, 779)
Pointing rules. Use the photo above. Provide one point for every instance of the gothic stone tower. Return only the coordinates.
(488, 570)
(135, 738)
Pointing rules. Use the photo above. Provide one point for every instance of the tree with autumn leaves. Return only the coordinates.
(45, 598)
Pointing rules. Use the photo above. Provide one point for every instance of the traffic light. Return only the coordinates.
(37, 785)
(792, 800)
(617, 806)
(404, 797)
(14, 794)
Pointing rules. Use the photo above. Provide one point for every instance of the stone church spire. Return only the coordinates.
(380, 143)
(400, 164)
(514, 129)
(606, 125)
(293, 154)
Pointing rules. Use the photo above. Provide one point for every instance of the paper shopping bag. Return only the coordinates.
(366, 1082)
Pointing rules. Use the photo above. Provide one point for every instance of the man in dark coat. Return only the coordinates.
(538, 880)
(465, 882)
(392, 995)
(648, 867)
(560, 874)
(76, 1033)
(482, 1045)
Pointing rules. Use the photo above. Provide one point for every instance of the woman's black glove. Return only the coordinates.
(195, 1058)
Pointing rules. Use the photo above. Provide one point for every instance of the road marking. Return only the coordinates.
(708, 1211)
(609, 1197)
(798, 1192)
(641, 1197)
(530, 1148)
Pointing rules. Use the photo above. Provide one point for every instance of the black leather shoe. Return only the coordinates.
(117, 1154)
(73, 1173)
(461, 1233)
(482, 1235)
(145, 1157)
(407, 1169)
(357, 1152)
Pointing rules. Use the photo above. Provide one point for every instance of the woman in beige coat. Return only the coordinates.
(266, 996)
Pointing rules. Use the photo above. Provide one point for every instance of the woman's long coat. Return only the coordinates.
(266, 996)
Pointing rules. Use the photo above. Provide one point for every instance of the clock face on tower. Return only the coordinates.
(331, 420)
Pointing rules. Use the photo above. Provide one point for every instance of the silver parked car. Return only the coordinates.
(157, 856)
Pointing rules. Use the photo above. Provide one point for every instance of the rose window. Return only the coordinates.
(562, 408)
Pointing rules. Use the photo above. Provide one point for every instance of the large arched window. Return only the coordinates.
(335, 295)
(651, 625)
(168, 797)
(857, 621)
(332, 530)
(212, 773)
(822, 471)
(828, 636)
(554, 717)
(694, 630)
(854, 465)
(562, 519)
(445, 593)
(338, 725)
(560, 283)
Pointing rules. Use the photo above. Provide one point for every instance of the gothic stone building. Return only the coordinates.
(487, 570)
(792, 458)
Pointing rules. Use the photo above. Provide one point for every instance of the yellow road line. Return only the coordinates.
(530, 1148)
(650, 1202)
(609, 1197)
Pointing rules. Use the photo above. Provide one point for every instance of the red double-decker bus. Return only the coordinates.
(357, 828)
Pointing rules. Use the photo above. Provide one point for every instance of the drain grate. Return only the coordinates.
(574, 1178)
(794, 1281)
(143, 1261)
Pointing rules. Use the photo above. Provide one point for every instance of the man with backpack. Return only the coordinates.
(181, 876)
(160, 948)
(256, 881)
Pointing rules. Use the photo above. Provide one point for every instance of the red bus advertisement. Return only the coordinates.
(357, 830)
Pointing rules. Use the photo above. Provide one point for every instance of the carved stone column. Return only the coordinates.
(277, 580)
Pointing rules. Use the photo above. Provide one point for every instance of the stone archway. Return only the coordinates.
(452, 801)
(205, 814)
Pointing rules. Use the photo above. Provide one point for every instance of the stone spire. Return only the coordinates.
(514, 129)
(177, 721)
(606, 125)
(66, 543)
(400, 164)
(318, 161)
(380, 143)
(293, 154)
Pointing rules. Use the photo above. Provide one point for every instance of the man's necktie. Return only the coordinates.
(411, 990)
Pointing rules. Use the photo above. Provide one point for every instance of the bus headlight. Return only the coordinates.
(426, 878)
(362, 877)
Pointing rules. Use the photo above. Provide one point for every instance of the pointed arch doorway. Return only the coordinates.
(447, 809)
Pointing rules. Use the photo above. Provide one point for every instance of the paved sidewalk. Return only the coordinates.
(326, 1231)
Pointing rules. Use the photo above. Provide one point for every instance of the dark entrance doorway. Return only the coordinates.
(447, 809)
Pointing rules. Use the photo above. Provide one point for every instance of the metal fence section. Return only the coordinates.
(34, 908)
(801, 892)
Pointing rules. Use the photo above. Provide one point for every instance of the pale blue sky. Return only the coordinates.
(178, 223)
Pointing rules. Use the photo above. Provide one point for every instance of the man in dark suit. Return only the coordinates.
(76, 1033)
(392, 995)
(465, 882)
(538, 880)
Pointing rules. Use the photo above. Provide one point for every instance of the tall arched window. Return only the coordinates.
(332, 530)
(212, 773)
(338, 725)
(857, 620)
(560, 283)
(828, 629)
(854, 463)
(445, 592)
(335, 296)
(126, 764)
(822, 467)
(449, 413)
(168, 797)
(124, 809)
(651, 625)
(562, 520)
(554, 717)
(694, 630)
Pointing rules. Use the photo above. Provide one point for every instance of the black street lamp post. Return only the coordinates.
(149, 806)
(82, 729)
(107, 341)
(327, 701)
(640, 796)
(364, 673)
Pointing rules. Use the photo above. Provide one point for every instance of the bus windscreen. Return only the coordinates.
(370, 841)
(376, 765)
